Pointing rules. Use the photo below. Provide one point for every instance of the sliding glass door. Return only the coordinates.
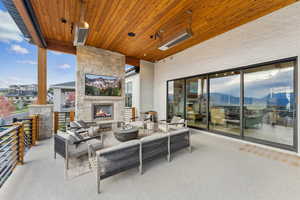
(255, 103)
(224, 102)
(176, 98)
(269, 103)
(196, 102)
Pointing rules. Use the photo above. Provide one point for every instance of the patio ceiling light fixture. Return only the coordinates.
(131, 34)
(81, 28)
(182, 36)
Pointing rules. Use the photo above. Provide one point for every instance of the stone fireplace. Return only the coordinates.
(103, 111)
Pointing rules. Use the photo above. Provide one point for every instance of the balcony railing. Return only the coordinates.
(15, 140)
(62, 120)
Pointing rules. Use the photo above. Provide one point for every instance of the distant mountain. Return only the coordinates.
(278, 99)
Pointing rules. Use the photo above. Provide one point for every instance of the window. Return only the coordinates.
(176, 99)
(224, 102)
(128, 94)
(196, 101)
(68, 99)
(255, 103)
(270, 103)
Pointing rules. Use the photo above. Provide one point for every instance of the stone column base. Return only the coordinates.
(46, 119)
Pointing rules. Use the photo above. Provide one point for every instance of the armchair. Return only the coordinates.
(140, 122)
(175, 123)
(72, 146)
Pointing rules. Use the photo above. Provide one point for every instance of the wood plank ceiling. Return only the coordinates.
(111, 20)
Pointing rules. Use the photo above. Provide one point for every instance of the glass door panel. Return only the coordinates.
(224, 105)
(176, 97)
(269, 103)
(196, 102)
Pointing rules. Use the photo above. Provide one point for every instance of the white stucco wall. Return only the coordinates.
(269, 38)
(57, 100)
(135, 79)
(146, 85)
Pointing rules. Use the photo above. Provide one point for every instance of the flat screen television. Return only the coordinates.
(98, 85)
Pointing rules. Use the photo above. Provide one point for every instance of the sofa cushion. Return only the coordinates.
(178, 131)
(63, 135)
(175, 119)
(139, 124)
(119, 146)
(72, 139)
(93, 131)
(74, 125)
(180, 125)
(77, 135)
(68, 137)
(153, 137)
(82, 124)
(82, 148)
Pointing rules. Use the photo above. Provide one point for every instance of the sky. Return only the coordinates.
(18, 58)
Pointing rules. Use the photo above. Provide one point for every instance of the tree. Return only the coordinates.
(70, 99)
(6, 107)
(70, 96)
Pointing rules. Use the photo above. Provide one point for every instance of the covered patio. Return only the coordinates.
(227, 71)
(218, 168)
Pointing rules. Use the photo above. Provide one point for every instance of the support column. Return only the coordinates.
(44, 110)
(42, 76)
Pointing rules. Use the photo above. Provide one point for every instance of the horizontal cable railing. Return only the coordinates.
(9, 151)
(15, 140)
(62, 120)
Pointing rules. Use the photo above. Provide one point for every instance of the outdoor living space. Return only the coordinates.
(217, 168)
(189, 99)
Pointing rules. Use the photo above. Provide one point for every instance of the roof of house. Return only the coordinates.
(17, 18)
(66, 85)
(22, 94)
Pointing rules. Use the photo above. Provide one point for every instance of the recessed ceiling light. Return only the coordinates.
(131, 34)
(63, 20)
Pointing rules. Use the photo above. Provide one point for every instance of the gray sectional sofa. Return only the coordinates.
(136, 153)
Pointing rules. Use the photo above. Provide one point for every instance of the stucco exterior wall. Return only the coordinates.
(272, 37)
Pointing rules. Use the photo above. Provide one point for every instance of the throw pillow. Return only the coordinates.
(77, 135)
(74, 125)
(82, 124)
(180, 125)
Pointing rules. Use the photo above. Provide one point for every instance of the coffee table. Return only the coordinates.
(124, 135)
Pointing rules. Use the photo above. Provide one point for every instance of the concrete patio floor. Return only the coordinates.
(217, 169)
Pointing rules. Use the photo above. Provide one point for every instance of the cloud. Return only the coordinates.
(8, 29)
(12, 80)
(18, 49)
(64, 66)
(30, 62)
(56, 52)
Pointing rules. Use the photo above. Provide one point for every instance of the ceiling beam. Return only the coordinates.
(132, 61)
(28, 21)
(61, 46)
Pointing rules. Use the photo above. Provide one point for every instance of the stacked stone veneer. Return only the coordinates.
(45, 113)
(91, 60)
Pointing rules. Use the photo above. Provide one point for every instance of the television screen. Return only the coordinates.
(97, 85)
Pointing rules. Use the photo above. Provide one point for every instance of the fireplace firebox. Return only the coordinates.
(103, 111)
